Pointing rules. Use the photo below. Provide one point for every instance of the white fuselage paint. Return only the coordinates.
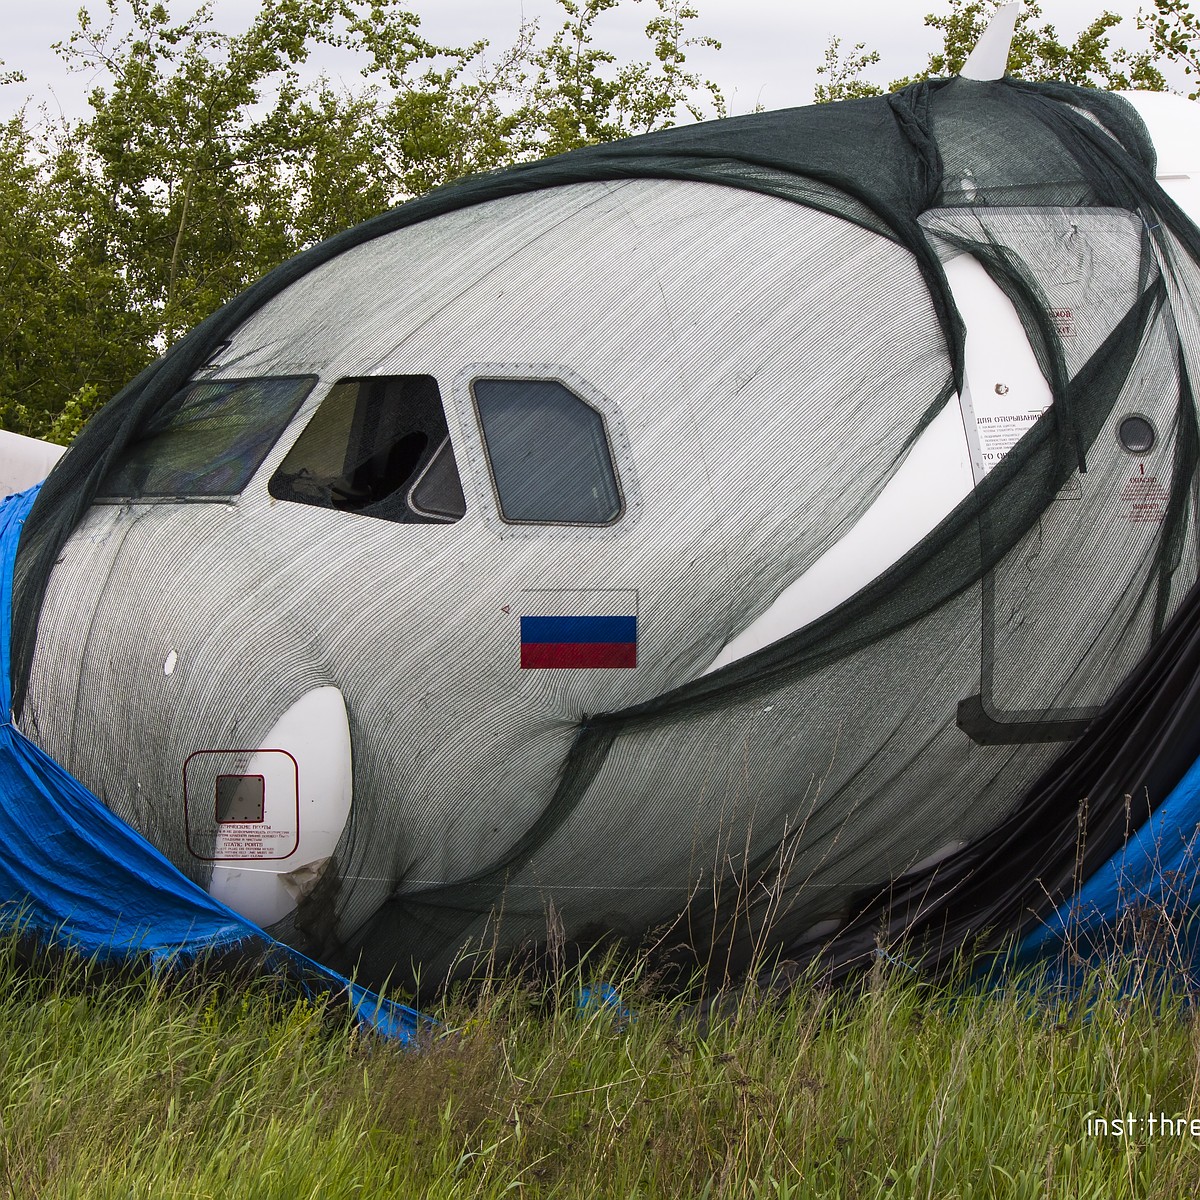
(1003, 389)
(625, 242)
(307, 808)
(931, 480)
(1002, 382)
(1174, 125)
(24, 461)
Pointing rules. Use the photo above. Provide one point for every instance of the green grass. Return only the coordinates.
(135, 1087)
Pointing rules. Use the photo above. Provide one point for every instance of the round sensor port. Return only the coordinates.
(1136, 434)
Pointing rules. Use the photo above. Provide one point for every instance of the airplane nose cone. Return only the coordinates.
(269, 817)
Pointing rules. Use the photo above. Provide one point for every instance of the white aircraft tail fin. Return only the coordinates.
(24, 461)
(989, 59)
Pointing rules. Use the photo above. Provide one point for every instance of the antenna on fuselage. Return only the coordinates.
(989, 59)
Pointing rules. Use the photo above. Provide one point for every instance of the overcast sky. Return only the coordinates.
(771, 48)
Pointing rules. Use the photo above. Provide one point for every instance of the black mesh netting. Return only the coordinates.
(1105, 678)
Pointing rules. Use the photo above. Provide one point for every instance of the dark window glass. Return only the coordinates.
(378, 446)
(438, 492)
(207, 442)
(240, 799)
(1136, 434)
(548, 453)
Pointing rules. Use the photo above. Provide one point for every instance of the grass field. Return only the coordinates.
(136, 1087)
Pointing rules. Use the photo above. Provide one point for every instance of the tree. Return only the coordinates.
(576, 100)
(208, 158)
(179, 180)
(1037, 52)
(844, 75)
(66, 316)
(1175, 36)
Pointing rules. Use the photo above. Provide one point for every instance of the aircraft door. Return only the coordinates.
(1072, 608)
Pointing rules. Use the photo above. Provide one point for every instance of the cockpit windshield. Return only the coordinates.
(207, 442)
(378, 446)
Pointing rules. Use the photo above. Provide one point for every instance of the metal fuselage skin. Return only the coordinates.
(692, 318)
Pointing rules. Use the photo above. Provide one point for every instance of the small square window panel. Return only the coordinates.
(240, 799)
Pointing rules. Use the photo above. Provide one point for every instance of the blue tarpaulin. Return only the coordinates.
(1142, 900)
(73, 872)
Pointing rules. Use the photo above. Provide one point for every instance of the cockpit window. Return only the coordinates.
(378, 446)
(548, 453)
(207, 442)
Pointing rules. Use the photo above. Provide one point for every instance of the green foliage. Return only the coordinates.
(1037, 51)
(844, 73)
(190, 203)
(580, 101)
(208, 158)
(66, 314)
(74, 415)
(1174, 36)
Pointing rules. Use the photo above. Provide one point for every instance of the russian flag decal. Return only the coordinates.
(574, 628)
